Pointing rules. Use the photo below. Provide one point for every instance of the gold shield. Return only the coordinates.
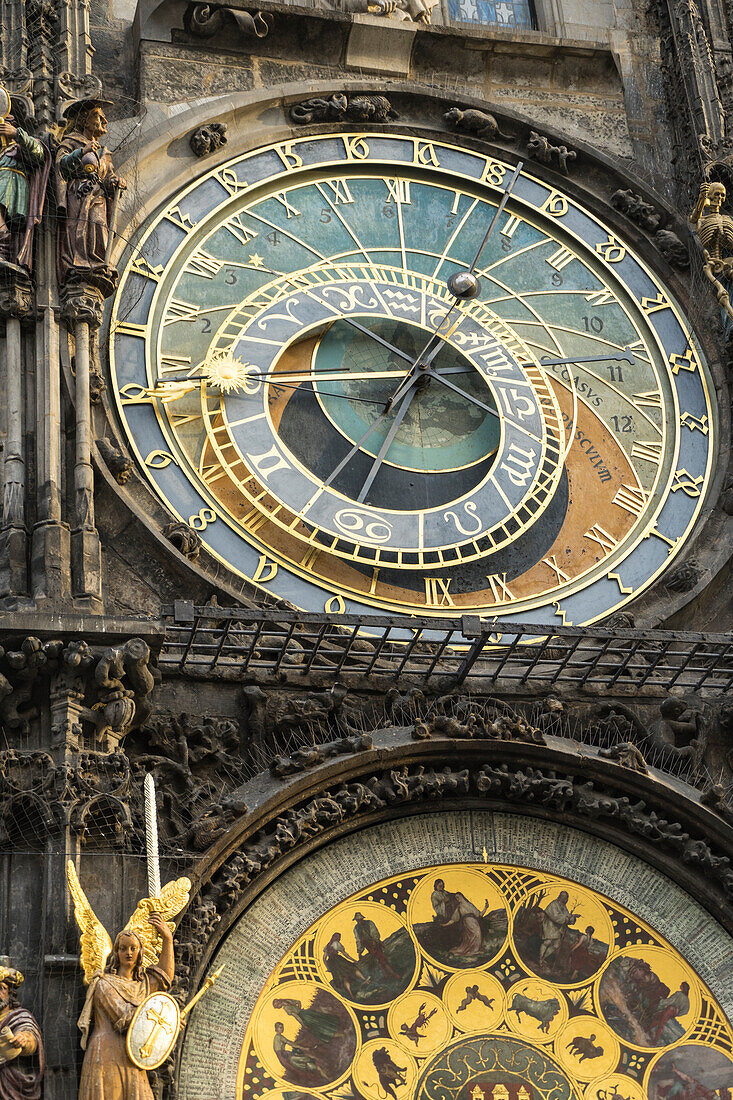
(153, 1031)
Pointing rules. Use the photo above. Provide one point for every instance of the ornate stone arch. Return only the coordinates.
(660, 822)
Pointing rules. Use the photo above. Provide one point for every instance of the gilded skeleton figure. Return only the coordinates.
(715, 230)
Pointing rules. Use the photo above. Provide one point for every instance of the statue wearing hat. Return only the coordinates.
(24, 166)
(22, 1060)
(86, 194)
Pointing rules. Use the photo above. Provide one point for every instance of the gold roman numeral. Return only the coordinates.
(647, 450)
(599, 535)
(560, 259)
(436, 591)
(399, 191)
(290, 210)
(631, 499)
(499, 588)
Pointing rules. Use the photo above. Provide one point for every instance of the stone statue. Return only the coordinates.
(415, 11)
(22, 1059)
(86, 193)
(119, 978)
(715, 230)
(24, 167)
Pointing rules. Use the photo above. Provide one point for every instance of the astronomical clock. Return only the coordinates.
(378, 373)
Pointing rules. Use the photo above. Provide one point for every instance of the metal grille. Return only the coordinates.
(237, 643)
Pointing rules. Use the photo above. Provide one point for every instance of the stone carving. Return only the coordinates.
(197, 765)
(184, 538)
(503, 727)
(108, 692)
(311, 755)
(627, 754)
(682, 729)
(540, 148)
(566, 794)
(87, 190)
(684, 577)
(207, 20)
(637, 210)
(24, 169)
(16, 290)
(342, 107)
(715, 799)
(213, 823)
(671, 247)
(715, 230)
(270, 713)
(415, 11)
(205, 140)
(478, 123)
(118, 464)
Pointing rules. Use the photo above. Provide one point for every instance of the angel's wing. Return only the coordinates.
(95, 942)
(173, 897)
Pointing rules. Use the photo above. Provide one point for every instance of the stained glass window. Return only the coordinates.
(501, 13)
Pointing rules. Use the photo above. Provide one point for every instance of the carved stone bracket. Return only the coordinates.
(16, 291)
(101, 696)
(84, 291)
(71, 87)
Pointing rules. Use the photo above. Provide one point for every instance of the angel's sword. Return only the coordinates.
(151, 838)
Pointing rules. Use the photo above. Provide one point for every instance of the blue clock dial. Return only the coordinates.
(301, 385)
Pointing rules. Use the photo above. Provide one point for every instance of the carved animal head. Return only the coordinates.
(454, 116)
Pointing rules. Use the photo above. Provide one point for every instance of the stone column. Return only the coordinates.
(50, 565)
(82, 307)
(16, 299)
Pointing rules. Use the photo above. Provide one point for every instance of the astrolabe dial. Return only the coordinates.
(380, 373)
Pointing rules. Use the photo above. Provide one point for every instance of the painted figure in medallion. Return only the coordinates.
(547, 940)
(640, 1006)
(323, 1040)
(22, 1058)
(461, 933)
(24, 167)
(382, 962)
(119, 978)
(692, 1072)
(87, 188)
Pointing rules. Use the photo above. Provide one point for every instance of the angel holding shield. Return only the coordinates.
(119, 978)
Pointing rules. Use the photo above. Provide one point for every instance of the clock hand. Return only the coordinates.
(401, 413)
(625, 356)
(462, 285)
(469, 397)
(357, 446)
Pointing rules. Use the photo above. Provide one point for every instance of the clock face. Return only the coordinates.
(301, 386)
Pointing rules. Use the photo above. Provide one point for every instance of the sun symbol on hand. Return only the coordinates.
(224, 372)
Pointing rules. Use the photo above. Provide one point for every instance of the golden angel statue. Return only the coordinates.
(120, 977)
